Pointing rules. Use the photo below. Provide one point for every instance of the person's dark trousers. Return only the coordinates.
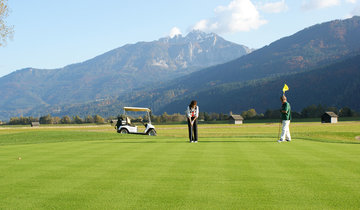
(193, 134)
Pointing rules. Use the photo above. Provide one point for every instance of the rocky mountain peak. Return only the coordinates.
(199, 36)
(194, 36)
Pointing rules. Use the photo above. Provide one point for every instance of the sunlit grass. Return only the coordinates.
(232, 167)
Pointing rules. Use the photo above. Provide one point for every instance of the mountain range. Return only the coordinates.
(320, 64)
(118, 71)
(336, 85)
(227, 87)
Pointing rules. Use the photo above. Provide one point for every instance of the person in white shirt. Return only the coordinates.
(192, 114)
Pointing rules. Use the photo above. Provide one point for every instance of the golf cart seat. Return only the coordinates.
(128, 121)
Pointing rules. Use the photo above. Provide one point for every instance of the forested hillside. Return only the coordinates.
(335, 85)
(113, 73)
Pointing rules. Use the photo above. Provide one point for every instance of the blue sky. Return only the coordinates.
(53, 34)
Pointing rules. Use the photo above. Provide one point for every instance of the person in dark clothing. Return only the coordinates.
(118, 123)
(192, 113)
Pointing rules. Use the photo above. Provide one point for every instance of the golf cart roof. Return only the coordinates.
(137, 109)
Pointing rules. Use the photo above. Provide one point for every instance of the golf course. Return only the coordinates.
(232, 167)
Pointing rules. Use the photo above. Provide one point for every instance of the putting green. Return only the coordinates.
(232, 167)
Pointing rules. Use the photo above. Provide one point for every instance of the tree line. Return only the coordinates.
(48, 119)
(312, 111)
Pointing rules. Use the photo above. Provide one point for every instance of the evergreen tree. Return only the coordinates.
(346, 112)
(98, 119)
(65, 120)
(164, 117)
(89, 119)
(251, 113)
(46, 119)
(207, 117)
(77, 120)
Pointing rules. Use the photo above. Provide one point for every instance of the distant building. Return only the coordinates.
(236, 119)
(35, 124)
(329, 117)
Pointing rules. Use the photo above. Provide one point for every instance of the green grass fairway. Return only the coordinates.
(232, 167)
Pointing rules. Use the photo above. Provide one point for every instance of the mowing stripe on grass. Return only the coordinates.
(231, 168)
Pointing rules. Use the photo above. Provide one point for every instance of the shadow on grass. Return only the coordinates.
(328, 141)
(162, 140)
(238, 141)
(180, 142)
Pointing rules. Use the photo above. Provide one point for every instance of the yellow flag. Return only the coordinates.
(285, 88)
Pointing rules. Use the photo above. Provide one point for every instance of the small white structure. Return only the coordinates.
(329, 117)
(236, 119)
(35, 124)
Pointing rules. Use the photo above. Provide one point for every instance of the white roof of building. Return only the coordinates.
(137, 109)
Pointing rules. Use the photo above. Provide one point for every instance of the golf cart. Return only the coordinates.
(126, 124)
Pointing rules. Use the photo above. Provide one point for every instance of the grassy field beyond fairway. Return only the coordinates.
(232, 167)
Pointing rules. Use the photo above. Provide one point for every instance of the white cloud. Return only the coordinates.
(351, 1)
(174, 32)
(239, 15)
(319, 4)
(274, 7)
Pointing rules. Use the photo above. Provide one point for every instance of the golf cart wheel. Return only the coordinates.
(123, 131)
(152, 132)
